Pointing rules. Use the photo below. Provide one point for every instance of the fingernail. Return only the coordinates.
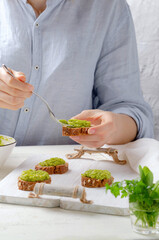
(21, 77)
(91, 131)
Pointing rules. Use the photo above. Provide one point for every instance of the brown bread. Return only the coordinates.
(95, 183)
(66, 131)
(59, 169)
(29, 186)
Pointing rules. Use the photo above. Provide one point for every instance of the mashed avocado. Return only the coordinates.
(63, 121)
(52, 162)
(4, 140)
(34, 176)
(97, 174)
(76, 123)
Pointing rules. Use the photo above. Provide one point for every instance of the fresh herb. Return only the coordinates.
(143, 195)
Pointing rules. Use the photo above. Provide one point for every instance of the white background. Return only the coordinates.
(146, 18)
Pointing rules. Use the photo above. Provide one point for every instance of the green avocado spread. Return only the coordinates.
(52, 162)
(76, 123)
(97, 174)
(4, 140)
(34, 176)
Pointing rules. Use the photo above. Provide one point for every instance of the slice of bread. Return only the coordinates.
(95, 183)
(59, 169)
(67, 131)
(29, 186)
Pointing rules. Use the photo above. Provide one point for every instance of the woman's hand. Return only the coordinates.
(107, 128)
(13, 92)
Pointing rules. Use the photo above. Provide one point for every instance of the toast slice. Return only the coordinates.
(29, 186)
(67, 131)
(59, 169)
(95, 183)
(75, 127)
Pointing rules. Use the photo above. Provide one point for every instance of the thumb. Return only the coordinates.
(87, 115)
(19, 75)
(94, 116)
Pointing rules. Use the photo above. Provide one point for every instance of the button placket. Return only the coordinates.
(25, 114)
(26, 109)
(36, 67)
(36, 48)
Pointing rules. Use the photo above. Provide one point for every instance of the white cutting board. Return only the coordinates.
(102, 202)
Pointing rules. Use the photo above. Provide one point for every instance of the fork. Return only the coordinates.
(52, 115)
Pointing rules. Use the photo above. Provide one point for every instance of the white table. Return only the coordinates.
(34, 223)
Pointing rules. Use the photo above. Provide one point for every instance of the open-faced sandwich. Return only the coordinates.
(94, 178)
(29, 178)
(75, 127)
(53, 166)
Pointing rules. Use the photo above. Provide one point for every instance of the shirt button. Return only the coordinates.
(37, 67)
(26, 110)
(37, 24)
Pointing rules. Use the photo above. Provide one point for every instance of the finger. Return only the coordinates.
(11, 107)
(94, 144)
(88, 138)
(87, 114)
(19, 75)
(105, 127)
(13, 91)
(14, 82)
(97, 129)
(90, 115)
(11, 100)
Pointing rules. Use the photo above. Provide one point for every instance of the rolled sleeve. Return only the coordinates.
(117, 79)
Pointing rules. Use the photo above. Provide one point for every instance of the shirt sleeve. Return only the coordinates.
(117, 78)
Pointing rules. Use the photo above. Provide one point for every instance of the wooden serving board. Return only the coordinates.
(102, 202)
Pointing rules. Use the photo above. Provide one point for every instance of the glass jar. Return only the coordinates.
(144, 221)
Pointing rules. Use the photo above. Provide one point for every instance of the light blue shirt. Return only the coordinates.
(78, 54)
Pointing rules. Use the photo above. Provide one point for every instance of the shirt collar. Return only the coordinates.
(25, 1)
(48, 2)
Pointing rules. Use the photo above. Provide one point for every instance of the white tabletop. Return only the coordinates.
(35, 223)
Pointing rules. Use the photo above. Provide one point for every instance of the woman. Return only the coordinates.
(81, 57)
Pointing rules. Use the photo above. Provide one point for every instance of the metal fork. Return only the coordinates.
(52, 115)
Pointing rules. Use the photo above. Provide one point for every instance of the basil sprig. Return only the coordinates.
(143, 193)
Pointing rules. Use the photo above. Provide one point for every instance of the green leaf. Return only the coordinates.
(148, 176)
(142, 175)
(155, 191)
(107, 187)
(156, 188)
(124, 193)
(115, 188)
